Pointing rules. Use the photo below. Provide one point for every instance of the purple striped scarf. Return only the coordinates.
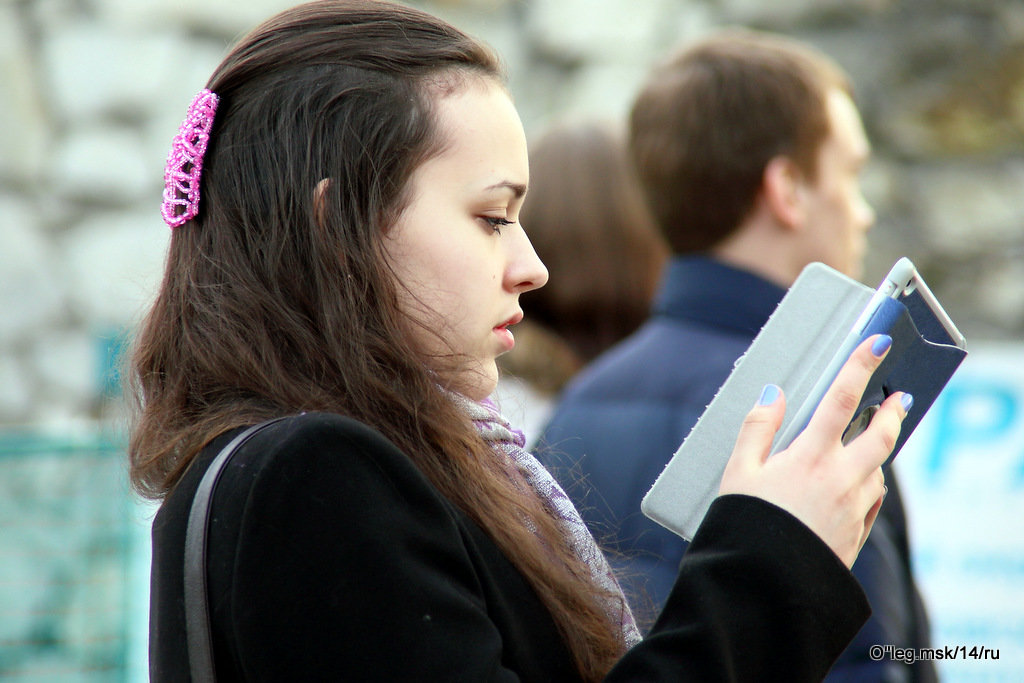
(497, 431)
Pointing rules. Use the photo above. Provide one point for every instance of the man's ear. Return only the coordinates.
(784, 192)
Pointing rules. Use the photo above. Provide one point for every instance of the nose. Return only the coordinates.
(525, 271)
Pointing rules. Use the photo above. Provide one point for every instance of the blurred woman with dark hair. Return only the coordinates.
(588, 221)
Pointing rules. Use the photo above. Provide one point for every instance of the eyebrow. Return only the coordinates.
(518, 189)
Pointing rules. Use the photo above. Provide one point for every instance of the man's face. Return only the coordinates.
(838, 216)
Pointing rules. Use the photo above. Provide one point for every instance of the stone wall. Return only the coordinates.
(93, 90)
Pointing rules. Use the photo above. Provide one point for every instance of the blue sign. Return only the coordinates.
(962, 474)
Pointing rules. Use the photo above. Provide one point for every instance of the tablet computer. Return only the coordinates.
(812, 332)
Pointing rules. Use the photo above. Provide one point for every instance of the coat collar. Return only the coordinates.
(698, 288)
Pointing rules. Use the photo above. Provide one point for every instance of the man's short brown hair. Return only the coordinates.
(708, 121)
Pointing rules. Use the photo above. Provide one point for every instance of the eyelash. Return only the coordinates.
(497, 223)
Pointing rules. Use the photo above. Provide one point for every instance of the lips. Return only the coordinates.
(517, 318)
(507, 340)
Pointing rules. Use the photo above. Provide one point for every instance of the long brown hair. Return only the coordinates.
(711, 117)
(277, 298)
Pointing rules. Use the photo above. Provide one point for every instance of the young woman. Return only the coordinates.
(346, 254)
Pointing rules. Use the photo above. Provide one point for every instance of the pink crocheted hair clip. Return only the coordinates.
(185, 160)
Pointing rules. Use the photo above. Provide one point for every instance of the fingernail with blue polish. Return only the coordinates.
(881, 345)
(907, 400)
(768, 395)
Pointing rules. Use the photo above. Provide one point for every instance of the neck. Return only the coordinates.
(761, 251)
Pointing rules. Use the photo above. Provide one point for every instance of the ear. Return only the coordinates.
(784, 192)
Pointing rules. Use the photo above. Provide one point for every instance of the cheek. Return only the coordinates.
(422, 301)
(852, 197)
(421, 270)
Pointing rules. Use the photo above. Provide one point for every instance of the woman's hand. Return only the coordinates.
(835, 490)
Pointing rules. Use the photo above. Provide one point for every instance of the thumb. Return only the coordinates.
(759, 427)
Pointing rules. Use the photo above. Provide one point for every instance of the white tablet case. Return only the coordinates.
(792, 350)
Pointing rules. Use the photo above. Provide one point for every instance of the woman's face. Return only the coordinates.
(459, 254)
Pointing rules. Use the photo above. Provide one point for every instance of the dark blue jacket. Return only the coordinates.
(623, 417)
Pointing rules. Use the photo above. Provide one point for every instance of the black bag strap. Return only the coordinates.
(197, 612)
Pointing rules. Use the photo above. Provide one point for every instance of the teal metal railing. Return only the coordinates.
(73, 561)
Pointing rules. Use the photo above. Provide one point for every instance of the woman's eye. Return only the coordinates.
(497, 223)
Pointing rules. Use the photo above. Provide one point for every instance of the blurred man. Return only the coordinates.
(749, 148)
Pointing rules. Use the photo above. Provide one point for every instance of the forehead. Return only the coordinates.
(847, 130)
(480, 134)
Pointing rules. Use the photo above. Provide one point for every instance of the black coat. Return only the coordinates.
(333, 558)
